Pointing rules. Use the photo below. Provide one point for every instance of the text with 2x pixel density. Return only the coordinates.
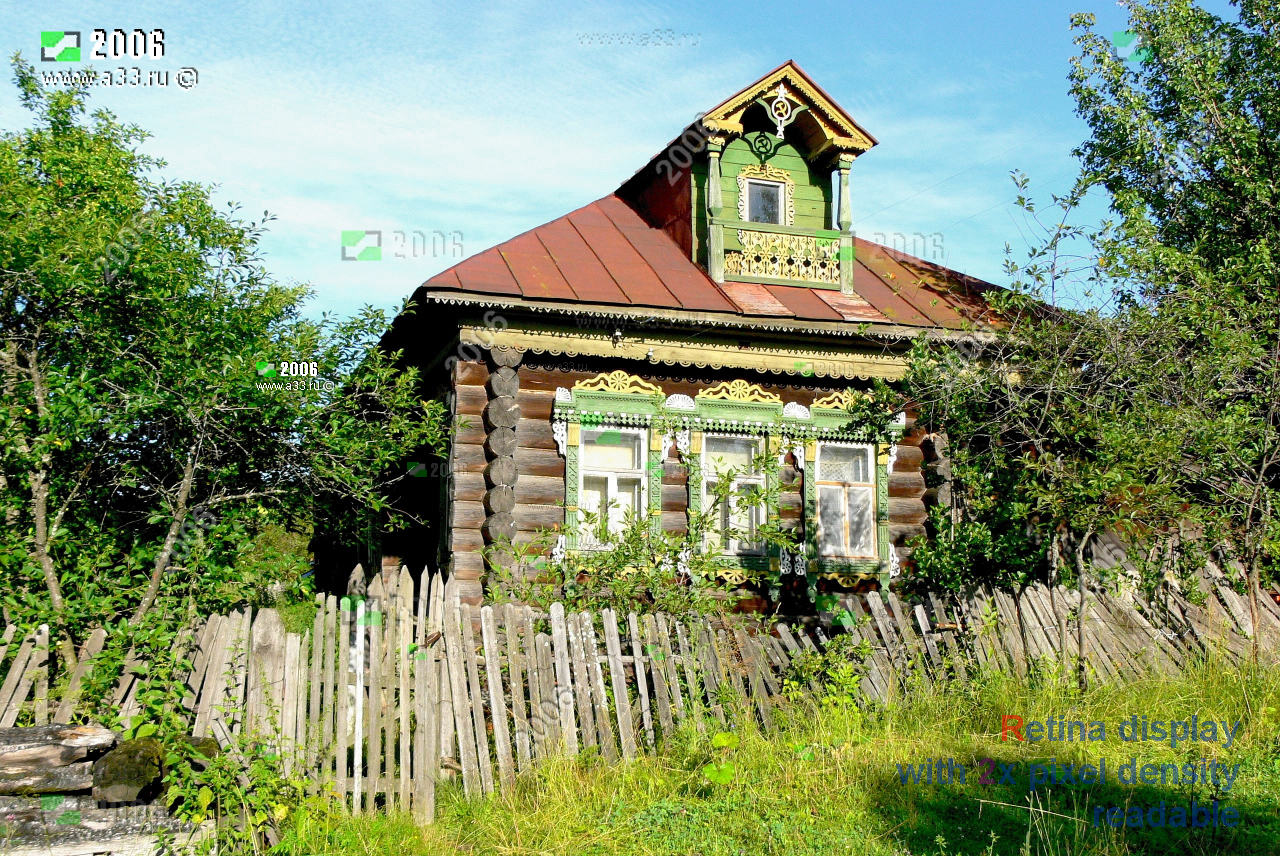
(1049, 773)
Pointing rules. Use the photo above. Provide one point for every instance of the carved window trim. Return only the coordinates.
(765, 173)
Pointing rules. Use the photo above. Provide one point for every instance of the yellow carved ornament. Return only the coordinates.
(620, 382)
(845, 399)
(739, 390)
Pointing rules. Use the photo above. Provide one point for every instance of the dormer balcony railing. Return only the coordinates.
(774, 254)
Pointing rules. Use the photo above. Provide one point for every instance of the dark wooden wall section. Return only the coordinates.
(467, 513)
(907, 513)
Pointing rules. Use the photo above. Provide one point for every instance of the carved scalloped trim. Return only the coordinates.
(740, 390)
(679, 401)
(844, 133)
(620, 382)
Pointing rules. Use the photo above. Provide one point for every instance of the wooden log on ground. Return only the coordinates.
(50, 780)
(122, 831)
(29, 750)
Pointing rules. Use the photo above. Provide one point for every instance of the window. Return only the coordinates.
(736, 516)
(846, 501)
(764, 202)
(611, 463)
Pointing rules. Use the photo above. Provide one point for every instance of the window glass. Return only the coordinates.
(831, 520)
(844, 464)
(846, 502)
(730, 453)
(610, 450)
(764, 202)
(612, 487)
(736, 516)
(861, 533)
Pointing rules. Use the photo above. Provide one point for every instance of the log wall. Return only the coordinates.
(509, 475)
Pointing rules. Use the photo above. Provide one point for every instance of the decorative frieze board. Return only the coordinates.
(762, 357)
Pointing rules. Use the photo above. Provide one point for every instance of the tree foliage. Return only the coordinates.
(1154, 407)
(142, 453)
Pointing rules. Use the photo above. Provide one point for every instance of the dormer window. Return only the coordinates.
(764, 201)
(766, 195)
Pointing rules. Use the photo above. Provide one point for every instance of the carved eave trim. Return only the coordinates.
(794, 361)
(685, 318)
(839, 128)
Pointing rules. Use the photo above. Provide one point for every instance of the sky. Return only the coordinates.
(453, 127)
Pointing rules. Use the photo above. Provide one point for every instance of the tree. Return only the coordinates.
(147, 434)
(1154, 408)
(1186, 144)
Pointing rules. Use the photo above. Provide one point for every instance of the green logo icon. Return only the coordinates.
(610, 438)
(361, 245)
(804, 368)
(266, 369)
(59, 45)
(417, 470)
(1129, 47)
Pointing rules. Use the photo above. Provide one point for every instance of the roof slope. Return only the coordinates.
(605, 253)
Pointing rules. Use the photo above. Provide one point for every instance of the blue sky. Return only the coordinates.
(489, 120)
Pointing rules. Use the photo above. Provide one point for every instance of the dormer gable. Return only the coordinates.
(757, 190)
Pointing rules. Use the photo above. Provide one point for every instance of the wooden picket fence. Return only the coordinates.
(386, 696)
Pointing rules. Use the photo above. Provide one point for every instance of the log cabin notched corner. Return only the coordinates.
(716, 304)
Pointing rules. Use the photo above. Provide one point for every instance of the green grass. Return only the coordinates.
(825, 782)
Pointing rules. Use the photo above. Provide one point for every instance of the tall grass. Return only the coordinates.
(826, 781)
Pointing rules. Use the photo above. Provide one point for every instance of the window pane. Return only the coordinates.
(764, 203)
(718, 519)
(831, 512)
(746, 517)
(844, 464)
(595, 491)
(628, 495)
(610, 450)
(726, 453)
(861, 522)
(594, 499)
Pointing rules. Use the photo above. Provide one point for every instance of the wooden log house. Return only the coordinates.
(715, 305)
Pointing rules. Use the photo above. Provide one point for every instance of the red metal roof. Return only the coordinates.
(606, 254)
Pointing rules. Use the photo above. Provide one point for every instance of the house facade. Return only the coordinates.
(714, 312)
